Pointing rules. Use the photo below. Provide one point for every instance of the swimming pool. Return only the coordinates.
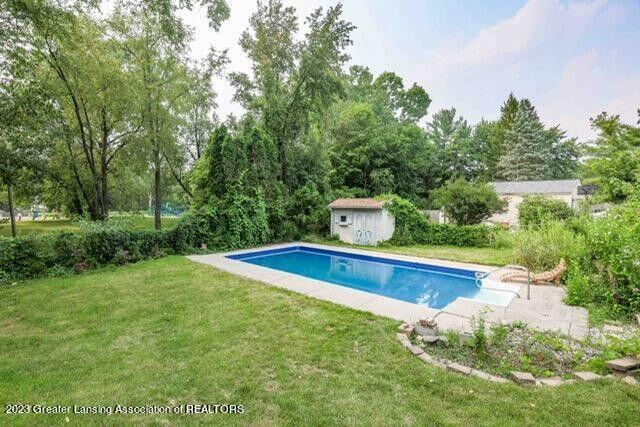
(429, 285)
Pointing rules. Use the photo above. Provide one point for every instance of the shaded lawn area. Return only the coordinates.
(171, 330)
(38, 227)
(487, 256)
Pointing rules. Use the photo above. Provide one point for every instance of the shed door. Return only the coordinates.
(370, 228)
(364, 228)
(358, 228)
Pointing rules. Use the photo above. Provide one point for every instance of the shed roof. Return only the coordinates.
(562, 186)
(361, 203)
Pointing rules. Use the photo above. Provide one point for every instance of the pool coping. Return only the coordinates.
(353, 298)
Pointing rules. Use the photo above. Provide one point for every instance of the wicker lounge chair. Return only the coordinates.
(551, 276)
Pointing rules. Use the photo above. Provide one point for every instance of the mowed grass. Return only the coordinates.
(487, 256)
(170, 330)
(25, 227)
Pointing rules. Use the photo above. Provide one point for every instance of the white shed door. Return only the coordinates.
(364, 225)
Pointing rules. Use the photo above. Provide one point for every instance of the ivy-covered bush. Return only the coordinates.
(412, 227)
(535, 210)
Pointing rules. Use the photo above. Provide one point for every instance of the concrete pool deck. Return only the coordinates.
(545, 310)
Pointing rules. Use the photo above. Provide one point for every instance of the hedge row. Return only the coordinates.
(412, 227)
(28, 257)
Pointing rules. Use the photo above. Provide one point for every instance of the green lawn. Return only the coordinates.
(170, 330)
(38, 227)
(487, 256)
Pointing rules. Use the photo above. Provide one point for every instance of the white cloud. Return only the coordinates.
(588, 86)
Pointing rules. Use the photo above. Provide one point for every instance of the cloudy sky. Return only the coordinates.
(573, 59)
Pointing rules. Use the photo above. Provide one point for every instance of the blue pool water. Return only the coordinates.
(430, 285)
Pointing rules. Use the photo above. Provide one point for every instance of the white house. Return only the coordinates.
(361, 221)
(514, 192)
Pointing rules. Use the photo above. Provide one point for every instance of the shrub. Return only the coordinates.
(614, 258)
(542, 248)
(412, 227)
(535, 210)
(467, 204)
(27, 257)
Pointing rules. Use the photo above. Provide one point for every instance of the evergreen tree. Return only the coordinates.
(527, 152)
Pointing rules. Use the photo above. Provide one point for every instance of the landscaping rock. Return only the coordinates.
(426, 358)
(623, 365)
(402, 338)
(524, 378)
(425, 331)
(429, 339)
(481, 374)
(461, 369)
(406, 329)
(443, 340)
(428, 322)
(415, 350)
(551, 382)
(630, 380)
(586, 376)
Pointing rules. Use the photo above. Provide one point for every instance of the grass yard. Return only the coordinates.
(38, 227)
(169, 330)
(487, 256)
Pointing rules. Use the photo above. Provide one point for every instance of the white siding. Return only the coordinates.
(510, 216)
(363, 226)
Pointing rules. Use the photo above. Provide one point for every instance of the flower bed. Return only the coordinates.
(523, 354)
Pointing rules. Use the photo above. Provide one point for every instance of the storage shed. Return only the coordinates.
(361, 221)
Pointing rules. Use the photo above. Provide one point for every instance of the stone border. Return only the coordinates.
(521, 378)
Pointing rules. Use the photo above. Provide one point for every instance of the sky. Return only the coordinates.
(572, 59)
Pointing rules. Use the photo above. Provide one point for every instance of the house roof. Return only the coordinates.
(562, 186)
(363, 203)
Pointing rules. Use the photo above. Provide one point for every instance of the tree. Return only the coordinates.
(520, 136)
(465, 203)
(527, 151)
(154, 40)
(614, 158)
(455, 153)
(291, 81)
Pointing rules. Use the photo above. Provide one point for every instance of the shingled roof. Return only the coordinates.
(562, 186)
(363, 203)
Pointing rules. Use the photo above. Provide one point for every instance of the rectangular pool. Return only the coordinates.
(433, 286)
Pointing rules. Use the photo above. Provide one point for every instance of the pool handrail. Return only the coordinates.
(483, 275)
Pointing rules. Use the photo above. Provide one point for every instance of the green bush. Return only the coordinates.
(603, 256)
(467, 204)
(412, 227)
(614, 259)
(542, 248)
(28, 257)
(535, 210)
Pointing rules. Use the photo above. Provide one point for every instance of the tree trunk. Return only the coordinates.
(12, 214)
(104, 185)
(157, 185)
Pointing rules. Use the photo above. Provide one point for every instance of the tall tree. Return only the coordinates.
(291, 80)
(455, 153)
(154, 39)
(527, 151)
